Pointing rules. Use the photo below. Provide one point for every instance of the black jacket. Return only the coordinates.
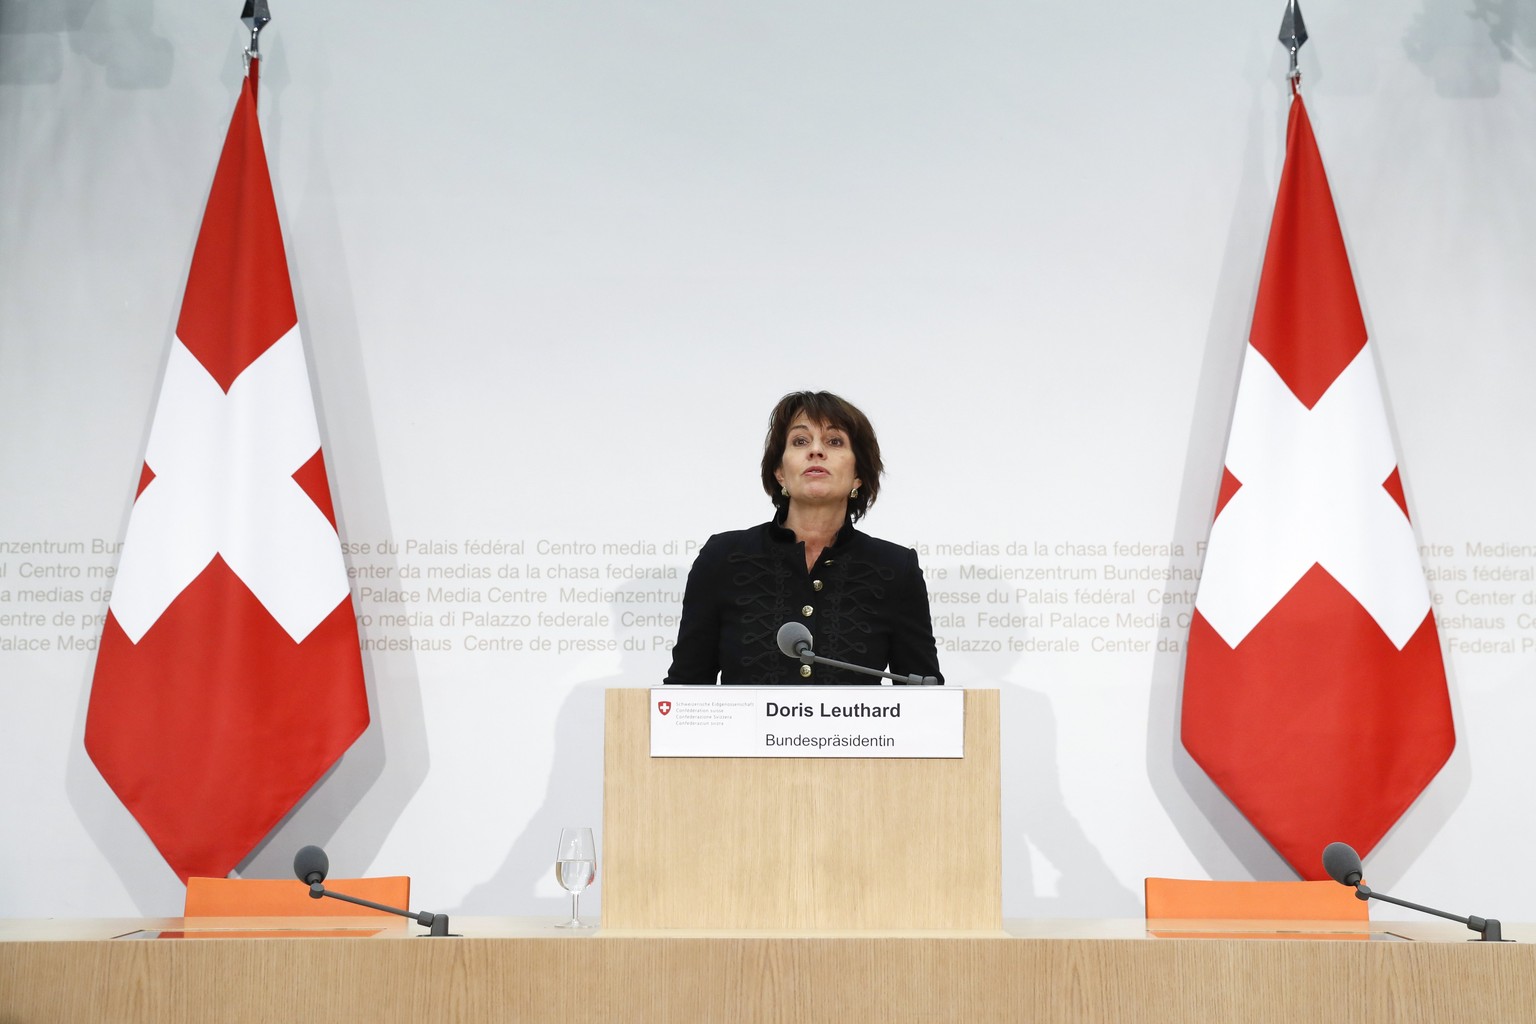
(864, 602)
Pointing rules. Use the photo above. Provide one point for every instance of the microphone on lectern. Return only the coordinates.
(795, 642)
(311, 865)
(1343, 866)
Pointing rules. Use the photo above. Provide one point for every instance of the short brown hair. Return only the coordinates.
(828, 409)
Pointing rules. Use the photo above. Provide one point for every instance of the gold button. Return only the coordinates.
(805, 671)
(807, 611)
(816, 584)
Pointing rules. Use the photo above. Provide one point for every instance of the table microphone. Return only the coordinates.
(312, 865)
(795, 642)
(1343, 865)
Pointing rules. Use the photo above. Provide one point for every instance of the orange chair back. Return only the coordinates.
(289, 897)
(1186, 898)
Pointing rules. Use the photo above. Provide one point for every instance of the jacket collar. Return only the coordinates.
(781, 534)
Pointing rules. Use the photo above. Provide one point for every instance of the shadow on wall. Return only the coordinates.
(1039, 830)
(1051, 867)
(524, 884)
(1217, 834)
(1463, 45)
(119, 37)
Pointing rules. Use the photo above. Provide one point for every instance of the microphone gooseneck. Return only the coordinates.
(1343, 865)
(311, 865)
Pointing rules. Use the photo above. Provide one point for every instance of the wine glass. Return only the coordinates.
(575, 867)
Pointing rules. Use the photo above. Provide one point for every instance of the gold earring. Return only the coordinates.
(853, 493)
(784, 490)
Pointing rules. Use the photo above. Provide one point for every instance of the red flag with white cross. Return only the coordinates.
(1314, 687)
(229, 676)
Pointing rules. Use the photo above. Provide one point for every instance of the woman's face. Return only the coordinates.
(818, 465)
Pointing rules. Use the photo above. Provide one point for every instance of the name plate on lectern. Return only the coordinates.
(807, 721)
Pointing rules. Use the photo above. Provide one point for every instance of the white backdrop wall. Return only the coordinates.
(554, 262)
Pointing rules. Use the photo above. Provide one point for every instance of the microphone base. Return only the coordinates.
(1492, 932)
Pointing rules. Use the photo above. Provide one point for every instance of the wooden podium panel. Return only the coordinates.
(1039, 972)
(800, 843)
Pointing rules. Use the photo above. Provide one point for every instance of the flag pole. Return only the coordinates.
(256, 15)
(1293, 33)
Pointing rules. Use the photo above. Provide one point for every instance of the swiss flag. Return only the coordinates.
(1314, 688)
(229, 676)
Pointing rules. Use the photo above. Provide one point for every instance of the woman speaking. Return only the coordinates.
(863, 599)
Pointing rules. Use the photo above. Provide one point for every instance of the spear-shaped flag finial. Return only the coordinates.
(1293, 33)
(255, 17)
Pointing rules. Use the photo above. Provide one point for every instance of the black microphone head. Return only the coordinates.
(311, 865)
(1342, 863)
(794, 638)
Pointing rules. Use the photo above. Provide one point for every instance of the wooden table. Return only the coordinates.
(507, 969)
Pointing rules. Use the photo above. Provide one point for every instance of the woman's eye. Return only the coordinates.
(835, 442)
(798, 442)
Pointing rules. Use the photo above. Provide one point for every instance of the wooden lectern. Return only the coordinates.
(800, 843)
